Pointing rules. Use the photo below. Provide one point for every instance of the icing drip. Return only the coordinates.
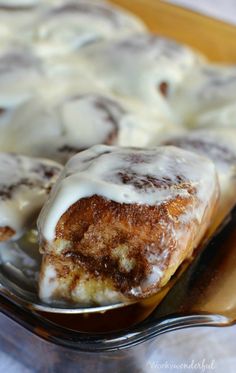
(20, 74)
(102, 117)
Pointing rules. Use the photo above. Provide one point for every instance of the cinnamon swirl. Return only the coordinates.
(121, 220)
(75, 24)
(59, 127)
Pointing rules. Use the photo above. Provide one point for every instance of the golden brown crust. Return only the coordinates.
(6, 233)
(112, 244)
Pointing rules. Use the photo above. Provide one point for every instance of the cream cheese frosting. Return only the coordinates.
(127, 175)
(64, 120)
(74, 24)
(209, 88)
(20, 73)
(220, 146)
(144, 66)
(24, 186)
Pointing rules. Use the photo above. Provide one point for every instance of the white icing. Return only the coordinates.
(90, 110)
(23, 190)
(20, 73)
(73, 25)
(17, 18)
(217, 144)
(99, 171)
(137, 65)
(220, 117)
(5, 33)
(208, 87)
(220, 146)
(75, 118)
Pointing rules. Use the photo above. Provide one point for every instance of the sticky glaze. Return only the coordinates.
(127, 176)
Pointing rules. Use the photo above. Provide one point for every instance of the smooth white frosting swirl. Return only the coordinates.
(127, 175)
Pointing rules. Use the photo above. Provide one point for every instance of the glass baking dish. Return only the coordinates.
(203, 296)
(89, 343)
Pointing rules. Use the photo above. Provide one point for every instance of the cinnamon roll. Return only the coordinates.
(220, 146)
(120, 221)
(219, 117)
(207, 97)
(20, 74)
(75, 24)
(59, 127)
(144, 66)
(24, 185)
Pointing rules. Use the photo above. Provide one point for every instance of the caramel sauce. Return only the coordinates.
(114, 320)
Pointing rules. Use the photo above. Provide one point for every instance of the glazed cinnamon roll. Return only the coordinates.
(120, 221)
(24, 185)
(59, 127)
(219, 117)
(20, 74)
(144, 66)
(220, 146)
(207, 97)
(75, 24)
